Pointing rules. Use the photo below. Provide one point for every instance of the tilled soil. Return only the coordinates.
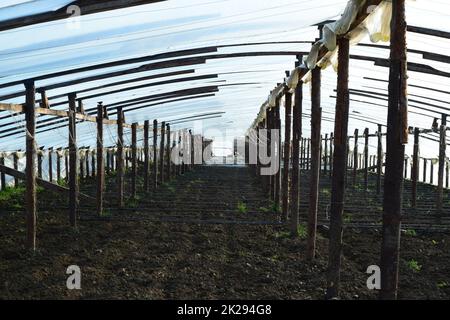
(236, 250)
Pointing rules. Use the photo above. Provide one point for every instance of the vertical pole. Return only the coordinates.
(325, 155)
(81, 163)
(162, 151)
(442, 147)
(86, 159)
(16, 167)
(331, 154)
(366, 159)
(277, 153)
(287, 149)
(94, 172)
(379, 158)
(73, 161)
(431, 171)
(446, 175)
(58, 167)
(339, 164)
(100, 160)
(355, 157)
(316, 115)
(395, 152)
(120, 155)
(269, 179)
(50, 164)
(39, 160)
(133, 159)
(146, 156)
(296, 137)
(308, 154)
(415, 168)
(406, 168)
(191, 142)
(168, 152)
(30, 171)
(2, 175)
(425, 170)
(302, 150)
(155, 154)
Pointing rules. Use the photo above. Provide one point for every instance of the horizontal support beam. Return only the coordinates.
(42, 183)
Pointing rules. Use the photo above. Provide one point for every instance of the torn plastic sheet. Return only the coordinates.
(376, 26)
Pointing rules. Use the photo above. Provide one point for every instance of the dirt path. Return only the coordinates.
(131, 255)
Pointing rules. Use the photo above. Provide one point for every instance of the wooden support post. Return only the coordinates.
(155, 154)
(191, 149)
(2, 175)
(320, 154)
(339, 165)
(355, 157)
(16, 167)
(325, 155)
(287, 149)
(50, 165)
(180, 169)
(168, 152)
(425, 170)
(39, 163)
(405, 167)
(415, 168)
(58, 167)
(133, 159)
(66, 162)
(442, 147)
(30, 170)
(73, 160)
(93, 164)
(296, 137)
(447, 175)
(302, 151)
(162, 151)
(395, 152)
(146, 156)
(100, 160)
(379, 158)
(82, 174)
(316, 115)
(120, 158)
(308, 154)
(431, 171)
(276, 152)
(44, 100)
(86, 161)
(174, 145)
(331, 154)
(269, 180)
(366, 159)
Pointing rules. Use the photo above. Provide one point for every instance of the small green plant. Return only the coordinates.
(275, 208)
(411, 233)
(12, 197)
(413, 265)
(347, 218)
(263, 209)
(242, 207)
(434, 242)
(62, 182)
(442, 285)
(282, 234)
(301, 231)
